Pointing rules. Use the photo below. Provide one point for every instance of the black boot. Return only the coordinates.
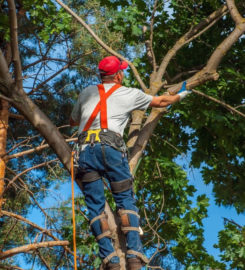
(112, 266)
(134, 263)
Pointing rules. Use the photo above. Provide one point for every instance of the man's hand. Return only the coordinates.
(166, 100)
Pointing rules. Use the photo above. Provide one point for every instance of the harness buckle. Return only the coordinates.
(93, 136)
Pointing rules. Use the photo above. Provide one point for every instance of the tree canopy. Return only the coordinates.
(48, 56)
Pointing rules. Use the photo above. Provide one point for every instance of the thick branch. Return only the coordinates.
(193, 32)
(103, 45)
(4, 73)
(237, 18)
(144, 136)
(223, 48)
(182, 74)
(135, 126)
(199, 78)
(33, 114)
(27, 248)
(209, 71)
(14, 43)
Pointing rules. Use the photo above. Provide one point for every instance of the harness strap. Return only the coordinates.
(107, 259)
(121, 186)
(138, 254)
(103, 215)
(89, 176)
(124, 211)
(126, 224)
(127, 229)
(104, 234)
(101, 106)
(105, 230)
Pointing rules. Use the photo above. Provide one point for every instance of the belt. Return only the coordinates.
(103, 136)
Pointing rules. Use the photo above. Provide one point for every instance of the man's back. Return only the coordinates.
(119, 106)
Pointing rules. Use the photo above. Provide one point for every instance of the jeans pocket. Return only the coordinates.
(113, 157)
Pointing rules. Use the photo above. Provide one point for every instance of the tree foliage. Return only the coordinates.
(59, 58)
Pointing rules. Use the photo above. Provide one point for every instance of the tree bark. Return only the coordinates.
(3, 138)
(53, 137)
(27, 248)
(32, 113)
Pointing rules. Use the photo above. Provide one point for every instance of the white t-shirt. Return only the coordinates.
(119, 106)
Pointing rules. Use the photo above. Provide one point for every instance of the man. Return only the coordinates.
(102, 113)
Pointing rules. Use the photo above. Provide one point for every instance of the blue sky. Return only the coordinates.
(216, 214)
(212, 224)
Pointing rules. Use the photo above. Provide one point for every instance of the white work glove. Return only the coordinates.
(183, 92)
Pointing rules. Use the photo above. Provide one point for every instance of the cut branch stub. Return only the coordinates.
(198, 79)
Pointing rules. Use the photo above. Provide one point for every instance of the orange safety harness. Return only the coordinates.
(101, 106)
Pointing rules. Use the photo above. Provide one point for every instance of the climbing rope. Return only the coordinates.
(73, 211)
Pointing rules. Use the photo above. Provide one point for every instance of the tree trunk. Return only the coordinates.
(3, 138)
(4, 116)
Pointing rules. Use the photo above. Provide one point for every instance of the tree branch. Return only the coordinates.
(209, 72)
(43, 260)
(5, 98)
(16, 116)
(149, 43)
(18, 217)
(144, 136)
(14, 43)
(35, 149)
(184, 73)
(27, 248)
(236, 16)
(27, 170)
(54, 75)
(8, 267)
(103, 45)
(5, 77)
(26, 188)
(228, 107)
(33, 114)
(135, 126)
(43, 59)
(223, 48)
(192, 33)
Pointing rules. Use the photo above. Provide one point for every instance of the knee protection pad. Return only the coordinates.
(129, 220)
(100, 227)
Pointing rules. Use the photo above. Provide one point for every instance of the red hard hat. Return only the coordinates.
(111, 65)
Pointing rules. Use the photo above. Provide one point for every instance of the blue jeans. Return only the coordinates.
(112, 165)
